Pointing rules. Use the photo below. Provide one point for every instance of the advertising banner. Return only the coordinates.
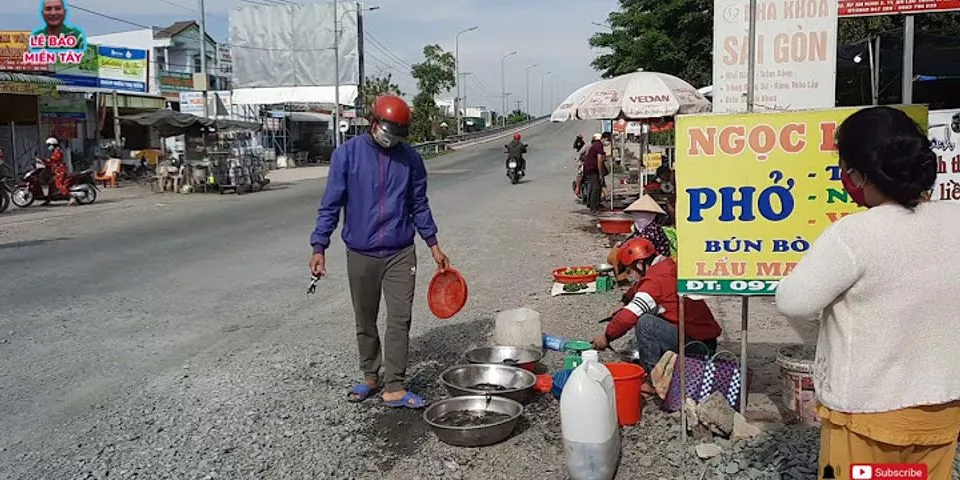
(857, 8)
(944, 131)
(13, 44)
(111, 68)
(122, 69)
(796, 55)
(192, 103)
(219, 103)
(754, 192)
(63, 107)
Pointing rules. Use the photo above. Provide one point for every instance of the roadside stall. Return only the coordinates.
(639, 96)
(219, 153)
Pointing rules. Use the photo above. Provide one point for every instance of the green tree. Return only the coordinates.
(516, 116)
(373, 87)
(436, 74)
(676, 37)
(668, 36)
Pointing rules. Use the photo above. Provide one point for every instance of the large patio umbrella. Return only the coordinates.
(640, 95)
(568, 108)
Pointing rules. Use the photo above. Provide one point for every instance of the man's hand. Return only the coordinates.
(443, 262)
(318, 265)
(600, 342)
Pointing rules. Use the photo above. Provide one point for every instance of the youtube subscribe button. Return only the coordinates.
(888, 472)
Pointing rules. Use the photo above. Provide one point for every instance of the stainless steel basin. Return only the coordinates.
(474, 435)
(498, 380)
(523, 357)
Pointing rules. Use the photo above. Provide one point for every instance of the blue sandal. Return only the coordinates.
(410, 400)
(361, 392)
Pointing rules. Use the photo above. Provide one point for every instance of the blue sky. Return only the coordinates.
(551, 33)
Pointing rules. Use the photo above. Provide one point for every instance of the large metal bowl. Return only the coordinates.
(516, 383)
(474, 436)
(523, 357)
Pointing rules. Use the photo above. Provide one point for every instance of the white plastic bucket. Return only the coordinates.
(796, 379)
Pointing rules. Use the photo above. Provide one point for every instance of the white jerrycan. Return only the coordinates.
(519, 327)
(588, 418)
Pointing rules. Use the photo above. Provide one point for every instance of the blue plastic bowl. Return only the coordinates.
(559, 380)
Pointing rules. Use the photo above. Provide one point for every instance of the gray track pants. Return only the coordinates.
(396, 277)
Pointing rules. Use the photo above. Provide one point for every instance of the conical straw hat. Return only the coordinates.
(645, 203)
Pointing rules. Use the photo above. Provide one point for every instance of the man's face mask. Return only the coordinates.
(51, 147)
(383, 137)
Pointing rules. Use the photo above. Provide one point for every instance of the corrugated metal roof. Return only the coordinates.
(24, 78)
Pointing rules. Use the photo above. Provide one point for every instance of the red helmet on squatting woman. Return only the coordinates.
(636, 250)
(391, 120)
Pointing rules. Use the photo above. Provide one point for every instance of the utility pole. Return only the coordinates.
(336, 73)
(456, 100)
(908, 30)
(463, 75)
(358, 104)
(203, 57)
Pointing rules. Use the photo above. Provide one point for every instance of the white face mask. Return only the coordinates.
(642, 219)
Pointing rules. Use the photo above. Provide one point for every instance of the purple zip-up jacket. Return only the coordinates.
(383, 194)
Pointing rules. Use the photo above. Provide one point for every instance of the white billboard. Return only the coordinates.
(796, 55)
(292, 45)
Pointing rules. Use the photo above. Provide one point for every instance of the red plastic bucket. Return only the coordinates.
(627, 379)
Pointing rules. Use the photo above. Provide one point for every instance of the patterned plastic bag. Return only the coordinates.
(705, 375)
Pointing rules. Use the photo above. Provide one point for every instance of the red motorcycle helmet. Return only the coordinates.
(516, 136)
(635, 250)
(394, 114)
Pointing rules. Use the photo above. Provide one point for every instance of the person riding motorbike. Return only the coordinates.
(579, 143)
(58, 167)
(515, 151)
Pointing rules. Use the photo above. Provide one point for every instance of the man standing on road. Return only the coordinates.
(381, 185)
(591, 172)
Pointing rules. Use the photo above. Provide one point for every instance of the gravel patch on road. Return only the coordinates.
(264, 397)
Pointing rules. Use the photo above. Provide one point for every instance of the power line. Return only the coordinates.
(388, 66)
(479, 84)
(386, 50)
(391, 60)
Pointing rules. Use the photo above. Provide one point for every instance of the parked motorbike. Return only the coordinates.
(140, 173)
(82, 187)
(5, 190)
(580, 186)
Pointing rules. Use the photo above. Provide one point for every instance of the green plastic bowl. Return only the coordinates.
(577, 346)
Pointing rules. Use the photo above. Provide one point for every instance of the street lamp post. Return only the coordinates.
(528, 88)
(457, 99)
(503, 87)
(543, 109)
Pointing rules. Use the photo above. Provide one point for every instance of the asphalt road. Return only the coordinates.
(117, 322)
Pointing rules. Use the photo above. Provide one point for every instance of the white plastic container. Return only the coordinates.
(519, 327)
(588, 418)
